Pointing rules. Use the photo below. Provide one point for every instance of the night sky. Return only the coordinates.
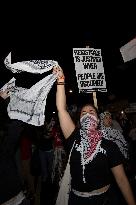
(38, 37)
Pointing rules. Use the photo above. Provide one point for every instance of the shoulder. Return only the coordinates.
(108, 144)
(113, 153)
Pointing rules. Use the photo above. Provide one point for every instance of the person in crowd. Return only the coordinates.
(115, 124)
(132, 149)
(92, 157)
(46, 154)
(113, 134)
(125, 124)
(11, 187)
(59, 160)
(132, 132)
(25, 157)
(116, 136)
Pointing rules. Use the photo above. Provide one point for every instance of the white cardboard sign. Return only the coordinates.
(89, 70)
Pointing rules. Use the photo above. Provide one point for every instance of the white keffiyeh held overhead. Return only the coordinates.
(32, 66)
(28, 105)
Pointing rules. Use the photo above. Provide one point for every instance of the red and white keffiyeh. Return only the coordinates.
(91, 137)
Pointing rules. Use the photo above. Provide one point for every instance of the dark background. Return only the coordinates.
(40, 31)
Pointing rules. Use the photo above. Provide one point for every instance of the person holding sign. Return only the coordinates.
(92, 157)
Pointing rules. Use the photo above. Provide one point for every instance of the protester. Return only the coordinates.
(92, 157)
(59, 160)
(106, 125)
(26, 106)
(26, 143)
(116, 125)
(45, 147)
(132, 149)
(113, 134)
(11, 188)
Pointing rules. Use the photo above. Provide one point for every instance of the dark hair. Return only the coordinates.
(79, 112)
(88, 104)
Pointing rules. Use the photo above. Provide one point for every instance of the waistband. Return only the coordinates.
(89, 194)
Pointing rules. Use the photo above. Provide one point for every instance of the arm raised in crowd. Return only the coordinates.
(66, 123)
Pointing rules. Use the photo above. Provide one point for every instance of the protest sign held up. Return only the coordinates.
(89, 70)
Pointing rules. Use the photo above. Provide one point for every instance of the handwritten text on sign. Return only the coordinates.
(89, 69)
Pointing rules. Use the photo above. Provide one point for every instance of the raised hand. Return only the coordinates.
(4, 94)
(58, 70)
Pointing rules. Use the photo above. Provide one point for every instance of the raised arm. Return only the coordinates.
(66, 123)
(123, 184)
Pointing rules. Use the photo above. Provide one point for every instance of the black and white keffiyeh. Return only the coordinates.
(28, 105)
(32, 66)
(114, 135)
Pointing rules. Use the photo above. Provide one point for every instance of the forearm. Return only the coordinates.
(126, 190)
(123, 183)
(61, 98)
(66, 123)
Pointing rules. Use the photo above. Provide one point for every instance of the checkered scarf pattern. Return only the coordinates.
(28, 105)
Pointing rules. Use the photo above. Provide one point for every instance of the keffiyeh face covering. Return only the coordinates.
(90, 136)
(88, 122)
(90, 139)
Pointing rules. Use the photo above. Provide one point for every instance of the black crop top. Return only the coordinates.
(98, 171)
